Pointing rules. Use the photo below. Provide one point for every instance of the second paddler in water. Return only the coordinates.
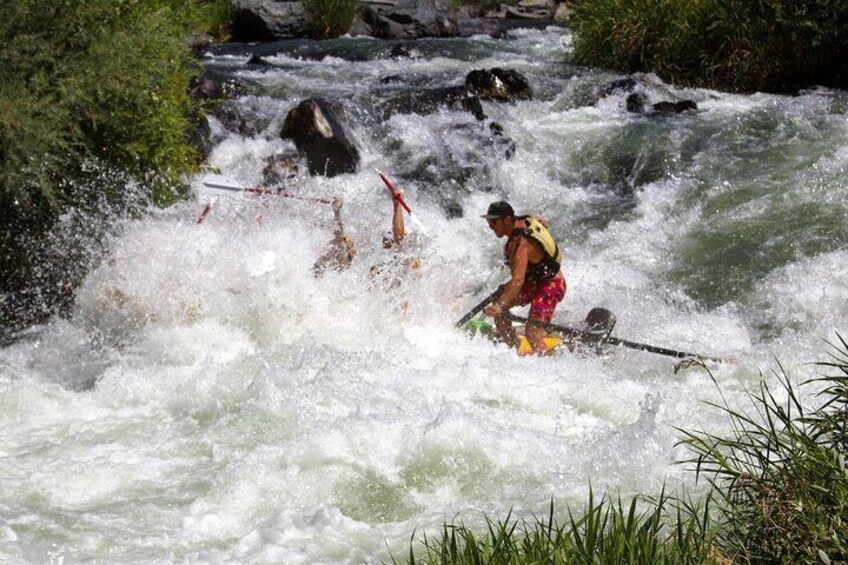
(534, 260)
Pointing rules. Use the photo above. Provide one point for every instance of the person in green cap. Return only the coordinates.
(534, 260)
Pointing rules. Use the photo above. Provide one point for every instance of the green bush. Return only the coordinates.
(741, 45)
(89, 86)
(329, 18)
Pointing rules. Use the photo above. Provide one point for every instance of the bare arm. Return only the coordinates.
(337, 215)
(518, 263)
(398, 229)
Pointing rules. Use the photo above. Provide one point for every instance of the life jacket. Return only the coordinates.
(539, 236)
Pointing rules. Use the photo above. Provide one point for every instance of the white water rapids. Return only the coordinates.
(209, 401)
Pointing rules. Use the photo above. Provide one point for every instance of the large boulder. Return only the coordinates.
(316, 127)
(410, 19)
(267, 20)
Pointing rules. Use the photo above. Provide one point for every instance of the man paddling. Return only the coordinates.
(534, 260)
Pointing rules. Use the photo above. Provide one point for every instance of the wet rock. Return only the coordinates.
(429, 101)
(674, 107)
(280, 169)
(207, 88)
(200, 134)
(617, 86)
(400, 51)
(392, 79)
(638, 103)
(241, 118)
(500, 85)
(503, 145)
(316, 127)
(257, 61)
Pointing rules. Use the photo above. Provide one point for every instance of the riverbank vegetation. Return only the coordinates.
(737, 45)
(778, 494)
(89, 89)
(329, 18)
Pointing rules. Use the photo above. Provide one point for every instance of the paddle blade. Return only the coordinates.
(223, 183)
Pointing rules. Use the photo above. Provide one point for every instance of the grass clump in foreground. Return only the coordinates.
(739, 45)
(607, 532)
(779, 495)
(782, 480)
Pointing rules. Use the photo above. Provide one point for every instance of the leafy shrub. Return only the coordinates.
(329, 18)
(88, 86)
(742, 45)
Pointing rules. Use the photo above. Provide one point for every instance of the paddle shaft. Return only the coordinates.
(589, 336)
(395, 192)
(264, 190)
(483, 303)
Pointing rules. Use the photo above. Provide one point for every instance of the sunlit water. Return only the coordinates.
(209, 401)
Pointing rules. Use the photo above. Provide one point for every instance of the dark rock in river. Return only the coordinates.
(617, 86)
(429, 101)
(316, 129)
(280, 169)
(238, 116)
(674, 107)
(499, 85)
(638, 101)
(200, 134)
(207, 88)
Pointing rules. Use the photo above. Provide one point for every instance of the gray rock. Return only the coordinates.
(316, 127)
(266, 20)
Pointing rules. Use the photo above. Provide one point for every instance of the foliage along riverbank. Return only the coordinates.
(94, 94)
(736, 45)
(778, 494)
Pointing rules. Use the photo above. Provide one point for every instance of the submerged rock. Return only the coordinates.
(638, 104)
(429, 101)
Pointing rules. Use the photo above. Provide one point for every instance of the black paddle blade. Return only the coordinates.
(599, 321)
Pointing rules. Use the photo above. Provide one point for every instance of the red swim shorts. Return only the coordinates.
(543, 298)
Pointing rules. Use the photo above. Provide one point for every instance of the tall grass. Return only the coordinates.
(740, 45)
(644, 532)
(779, 495)
(781, 478)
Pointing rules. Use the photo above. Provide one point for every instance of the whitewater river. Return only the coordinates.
(208, 401)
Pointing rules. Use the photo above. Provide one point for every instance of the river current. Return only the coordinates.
(208, 400)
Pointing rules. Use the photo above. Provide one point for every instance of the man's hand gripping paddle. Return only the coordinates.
(396, 194)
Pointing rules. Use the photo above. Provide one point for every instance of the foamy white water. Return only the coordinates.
(209, 401)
